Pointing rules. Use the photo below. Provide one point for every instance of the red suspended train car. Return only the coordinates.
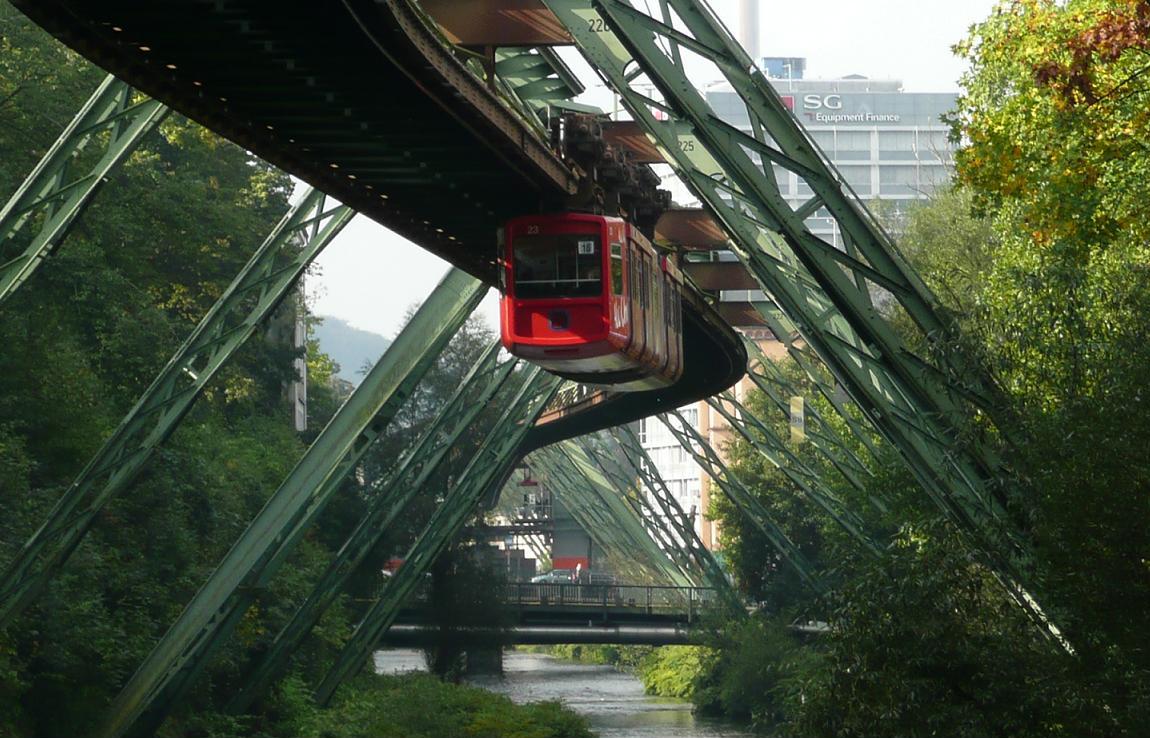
(589, 298)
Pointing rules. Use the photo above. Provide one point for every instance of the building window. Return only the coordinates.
(825, 141)
(783, 179)
(934, 145)
(858, 178)
(898, 180)
(642, 430)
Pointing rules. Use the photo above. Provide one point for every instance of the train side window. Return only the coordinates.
(644, 282)
(617, 269)
(636, 276)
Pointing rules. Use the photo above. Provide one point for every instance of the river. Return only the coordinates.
(613, 702)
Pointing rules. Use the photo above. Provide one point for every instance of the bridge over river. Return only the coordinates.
(548, 614)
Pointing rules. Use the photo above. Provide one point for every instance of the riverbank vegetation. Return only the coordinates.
(81, 341)
(422, 706)
(1041, 252)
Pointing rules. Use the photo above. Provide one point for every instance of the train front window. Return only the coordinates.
(558, 265)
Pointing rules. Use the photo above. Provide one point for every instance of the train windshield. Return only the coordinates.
(558, 265)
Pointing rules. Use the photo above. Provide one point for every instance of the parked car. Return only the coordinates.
(555, 576)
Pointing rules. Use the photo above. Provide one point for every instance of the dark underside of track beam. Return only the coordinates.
(714, 359)
(418, 143)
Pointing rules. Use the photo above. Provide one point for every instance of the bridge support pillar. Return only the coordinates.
(484, 660)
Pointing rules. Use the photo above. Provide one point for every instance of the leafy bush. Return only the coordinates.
(421, 706)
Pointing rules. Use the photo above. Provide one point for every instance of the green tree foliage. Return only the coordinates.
(1056, 115)
(1041, 253)
(82, 340)
(925, 643)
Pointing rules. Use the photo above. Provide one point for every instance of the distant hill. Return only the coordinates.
(349, 346)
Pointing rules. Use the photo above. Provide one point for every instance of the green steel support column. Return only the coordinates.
(594, 518)
(795, 469)
(672, 512)
(590, 481)
(597, 522)
(920, 404)
(208, 620)
(741, 497)
(256, 291)
(626, 489)
(405, 482)
(654, 503)
(491, 463)
(816, 372)
(52, 196)
(614, 515)
(773, 383)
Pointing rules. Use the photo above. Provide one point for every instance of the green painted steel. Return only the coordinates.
(920, 403)
(491, 463)
(741, 497)
(611, 504)
(594, 517)
(670, 511)
(208, 620)
(625, 485)
(816, 372)
(763, 438)
(252, 296)
(616, 515)
(538, 77)
(392, 496)
(770, 379)
(53, 196)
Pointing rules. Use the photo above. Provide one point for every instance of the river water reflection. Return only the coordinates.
(613, 703)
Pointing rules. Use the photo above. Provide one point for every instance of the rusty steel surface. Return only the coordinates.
(627, 135)
(691, 229)
(503, 23)
(740, 314)
(719, 275)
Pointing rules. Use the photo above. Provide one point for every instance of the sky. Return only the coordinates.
(369, 276)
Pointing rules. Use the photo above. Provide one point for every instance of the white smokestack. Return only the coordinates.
(749, 27)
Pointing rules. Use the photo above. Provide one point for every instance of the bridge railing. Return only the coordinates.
(647, 598)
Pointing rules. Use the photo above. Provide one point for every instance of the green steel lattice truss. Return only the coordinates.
(743, 499)
(54, 195)
(612, 524)
(267, 278)
(809, 482)
(489, 466)
(253, 560)
(604, 468)
(921, 403)
(389, 499)
(660, 504)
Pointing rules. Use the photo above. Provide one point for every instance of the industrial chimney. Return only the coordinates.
(749, 27)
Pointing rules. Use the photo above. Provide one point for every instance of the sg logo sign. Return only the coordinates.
(823, 102)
